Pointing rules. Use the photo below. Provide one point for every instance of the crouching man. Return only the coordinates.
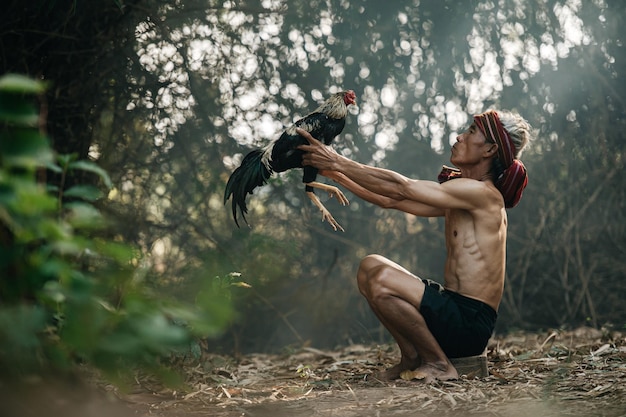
(430, 322)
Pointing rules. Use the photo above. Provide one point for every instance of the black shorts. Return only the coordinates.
(461, 325)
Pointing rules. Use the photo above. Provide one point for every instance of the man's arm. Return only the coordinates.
(460, 194)
(407, 206)
(377, 180)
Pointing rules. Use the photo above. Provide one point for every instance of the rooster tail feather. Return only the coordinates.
(251, 173)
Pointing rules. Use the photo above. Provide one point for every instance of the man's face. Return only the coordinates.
(470, 147)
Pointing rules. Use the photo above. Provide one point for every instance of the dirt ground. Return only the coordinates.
(573, 373)
(554, 373)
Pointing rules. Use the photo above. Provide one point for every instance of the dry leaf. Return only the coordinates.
(601, 350)
(409, 375)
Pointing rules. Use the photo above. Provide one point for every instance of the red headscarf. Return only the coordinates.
(512, 181)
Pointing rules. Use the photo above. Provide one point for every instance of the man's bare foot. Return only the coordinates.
(431, 373)
(391, 373)
(394, 372)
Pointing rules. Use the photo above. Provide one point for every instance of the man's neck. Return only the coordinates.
(479, 172)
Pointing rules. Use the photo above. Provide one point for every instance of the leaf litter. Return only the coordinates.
(580, 372)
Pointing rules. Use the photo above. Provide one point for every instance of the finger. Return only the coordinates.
(306, 158)
(307, 136)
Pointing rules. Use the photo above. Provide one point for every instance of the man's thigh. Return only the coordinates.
(398, 281)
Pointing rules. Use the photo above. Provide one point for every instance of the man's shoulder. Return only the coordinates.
(482, 193)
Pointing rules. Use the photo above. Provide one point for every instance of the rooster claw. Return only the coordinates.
(326, 216)
(332, 192)
(340, 196)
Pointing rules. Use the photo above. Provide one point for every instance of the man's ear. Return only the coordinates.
(493, 149)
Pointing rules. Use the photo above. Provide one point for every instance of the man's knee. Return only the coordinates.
(371, 273)
(370, 261)
(362, 275)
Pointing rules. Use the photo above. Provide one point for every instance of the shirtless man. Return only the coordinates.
(432, 323)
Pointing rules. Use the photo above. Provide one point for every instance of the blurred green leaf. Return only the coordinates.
(54, 168)
(214, 311)
(55, 267)
(25, 148)
(91, 167)
(65, 159)
(82, 215)
(32, 198)
(17, 83)
(123, 343)
(158, 333)
(54, 291)
(28, 200)
(7, 193)
(85, 192)
(74, 246)
(54, 230)
(120, 252)
(84, 324)
(18, 111)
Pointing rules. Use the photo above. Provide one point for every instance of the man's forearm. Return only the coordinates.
(407, 206)
(377, 180)
(358, 190)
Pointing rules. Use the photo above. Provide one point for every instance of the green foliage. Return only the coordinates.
(66, 293)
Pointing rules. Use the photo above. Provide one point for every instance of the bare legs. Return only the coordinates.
(395, 296)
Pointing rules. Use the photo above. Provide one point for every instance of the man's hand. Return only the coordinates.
(317, 154)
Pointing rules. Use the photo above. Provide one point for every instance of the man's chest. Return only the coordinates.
(459, 224)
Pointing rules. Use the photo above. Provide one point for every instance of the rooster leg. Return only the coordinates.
(325, 213)
(331, 190)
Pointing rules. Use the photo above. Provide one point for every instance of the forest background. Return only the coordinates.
(166, 97)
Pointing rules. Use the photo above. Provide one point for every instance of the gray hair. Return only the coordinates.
(519, 129)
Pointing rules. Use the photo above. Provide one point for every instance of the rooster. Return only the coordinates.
(325, 123)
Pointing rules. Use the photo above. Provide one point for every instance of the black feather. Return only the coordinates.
(251, 173)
